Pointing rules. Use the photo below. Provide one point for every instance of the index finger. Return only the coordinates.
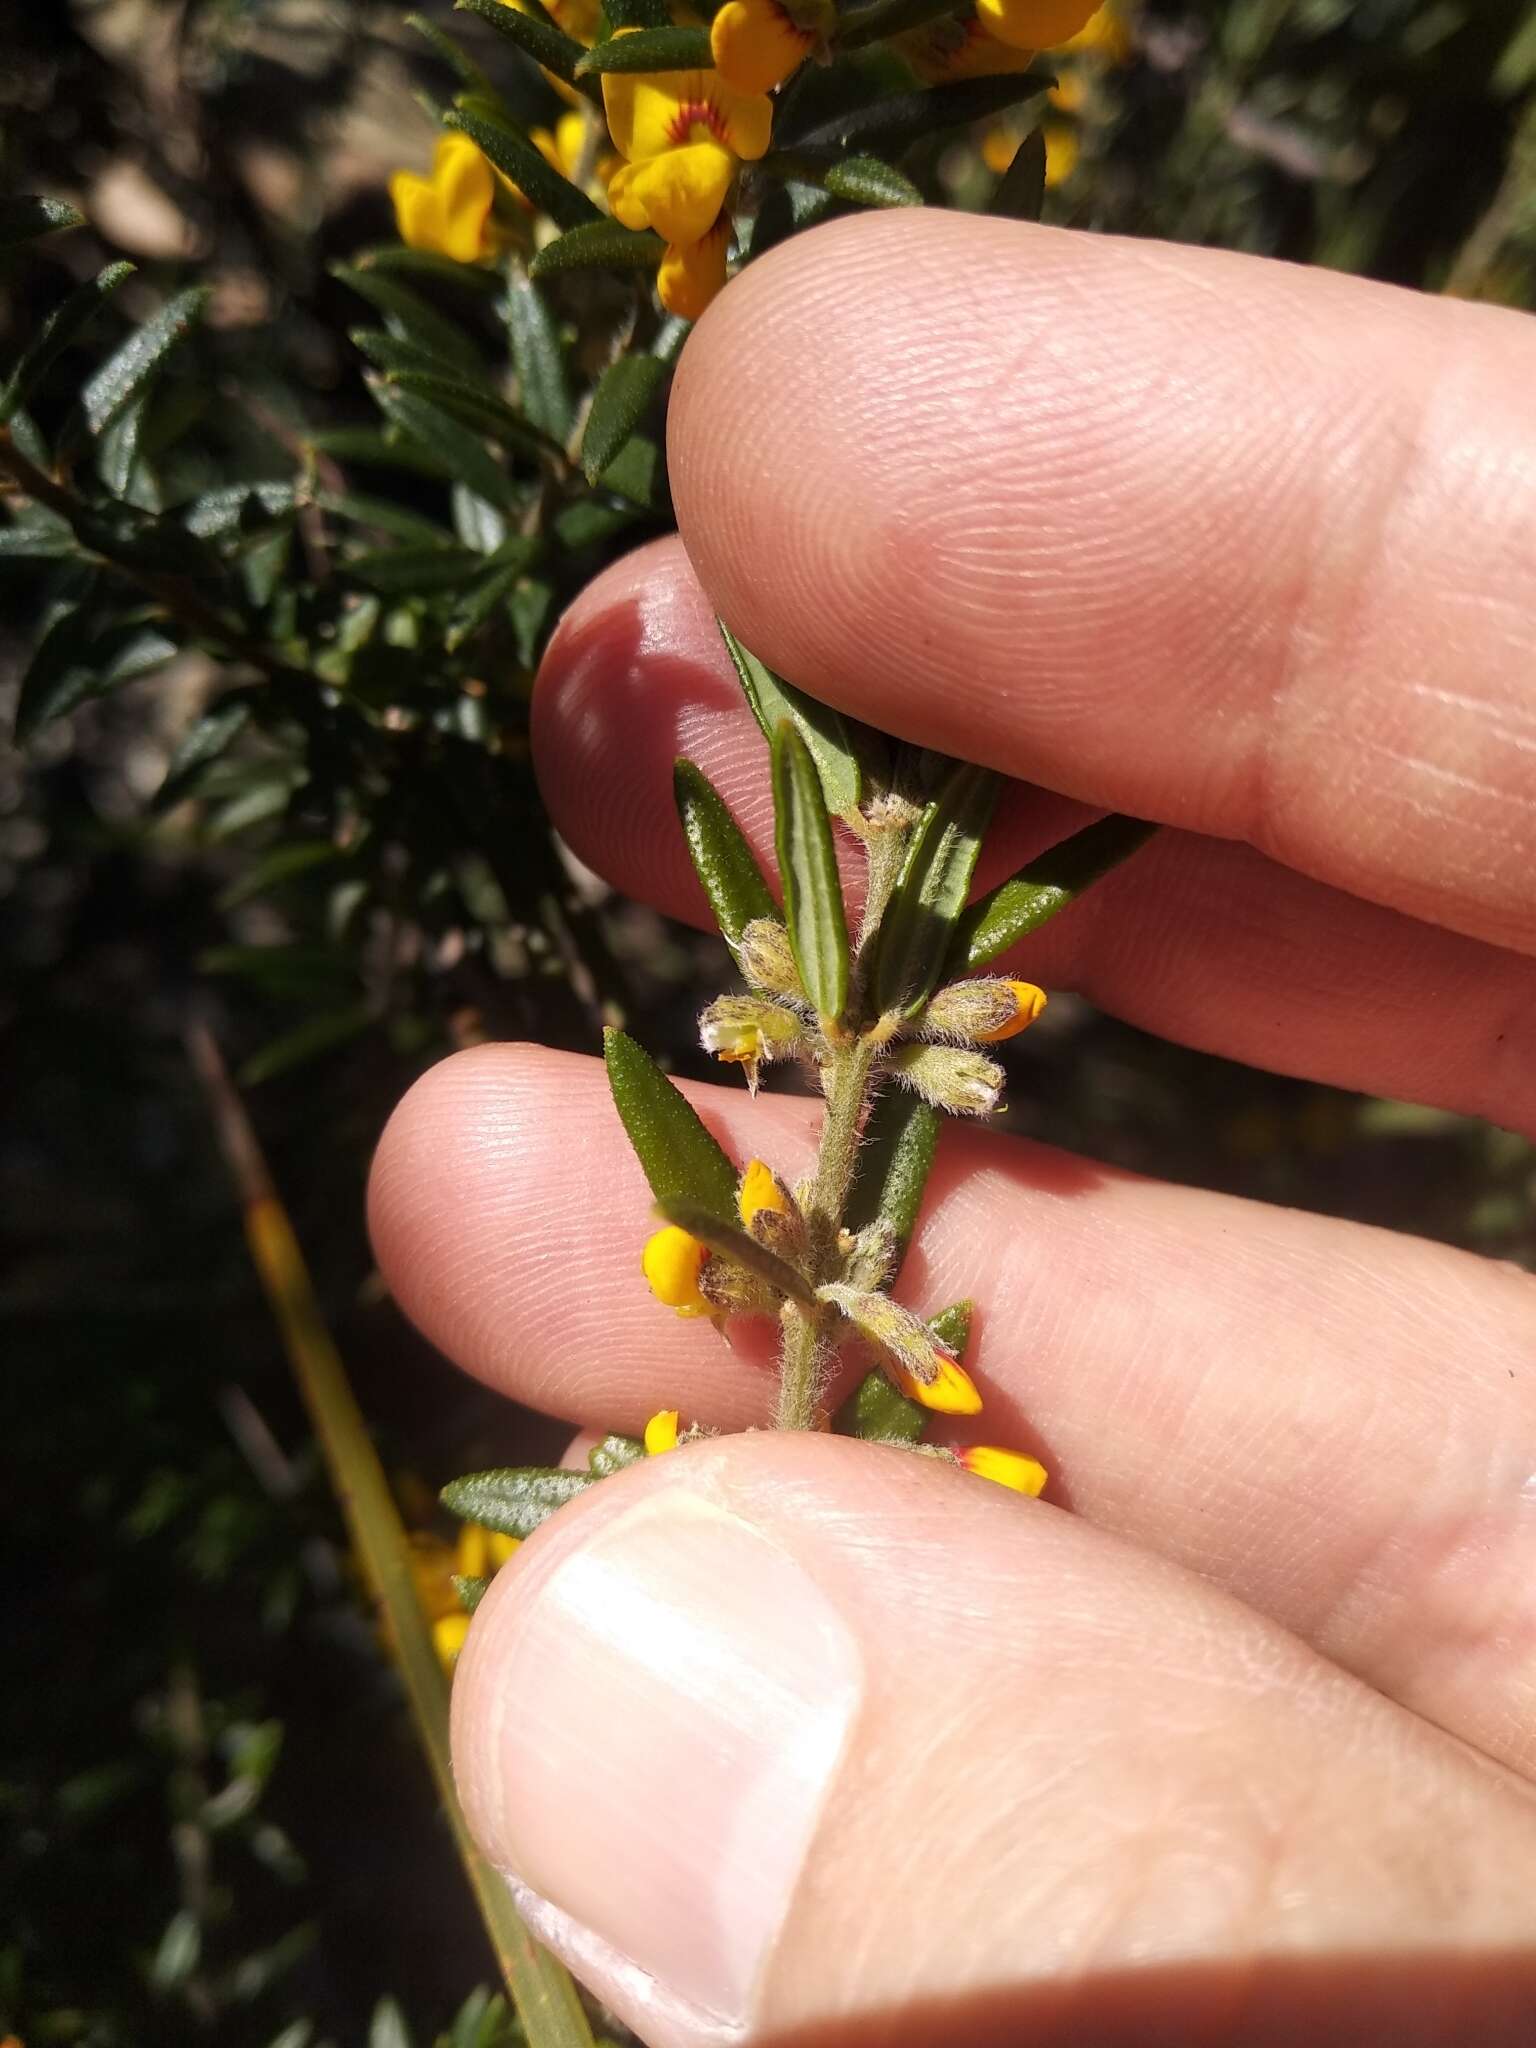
(1210, 540)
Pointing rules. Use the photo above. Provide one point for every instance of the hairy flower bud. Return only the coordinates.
(981, 1012)
(964, 1083)
(924, 1369)
(673, 1263)
(749, 1032)
(770, 1212)
(661, 1433)
(764, 956)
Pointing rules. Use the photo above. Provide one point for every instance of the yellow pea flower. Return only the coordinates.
(758, 1191)
(448, 213)
(1030, 1000)
(661, 1433)
(1005, 1468)
(682, 134)
(952, 1393)
(946, 49)
(756, 44)
(1034, 24)
(448, 1635)
(671, 1262)
(563, 145)
(1105, 35)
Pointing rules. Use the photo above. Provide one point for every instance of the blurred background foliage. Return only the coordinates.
(313, 823)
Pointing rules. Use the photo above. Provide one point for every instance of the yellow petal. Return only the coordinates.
(466, 186)
(692, 273)
(1030, 1000)
(661, 1433)
(448, 1638)
(755, 45)
(418, 212)
(500, 1547)
(671, 1262)
(999, 147)
(1033, 24)
(1062, 150)
(654, 111)
(473, 1551)
(947, 50)
(758, 1191)
(683, 191)
(952, 1393)
(1069, 92)
(622, 203)
(1005, 1468)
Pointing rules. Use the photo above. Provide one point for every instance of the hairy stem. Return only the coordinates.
(799, 1372)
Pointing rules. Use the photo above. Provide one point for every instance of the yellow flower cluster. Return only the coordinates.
(478, 1554)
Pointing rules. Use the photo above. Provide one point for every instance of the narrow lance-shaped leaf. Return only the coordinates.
(613, 1454)
(64, 325)
(813, 896)
(952, 1326)
(25, 217)
(443, 436)
(471, 78)
(733, 1242)
(482, 412)
(515, 1499)
(880, 1413)
(891, 125)
(1037, 892)
(618, 405)
(538, 357)
(599, 245)
(1020, 193)
(722, 859)
(651, 49)
(539, 183)
(935, 880)
(825, 731)
(535, 34)
(900, 1140)
(128, 374)
(682, 1162)
(411, 316)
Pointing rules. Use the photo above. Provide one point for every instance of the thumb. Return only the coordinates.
(794, 1739)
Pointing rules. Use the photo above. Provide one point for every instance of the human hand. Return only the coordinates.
(790, 1739)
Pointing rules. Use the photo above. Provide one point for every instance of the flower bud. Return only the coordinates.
(1005, 1468)
(925, 1370)
(661, 1433)
(981, 1012)
(764, 956)
(964, 1083)
(749, 1032)
(673, 1264)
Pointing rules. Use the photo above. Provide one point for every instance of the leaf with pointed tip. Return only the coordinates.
(128, 374)
(620, 402)
(599, 245)
(514, 1499)
(731, 1241)
(534, 34)
(538, 356)
(471, 1589)
(540, 184)
(1020, 193)
(879, 1413)
(613, 1454)
(893, 124)
(825, 731)
(410, 316)
(813, 894)
(900, 1140)
(464, 452)
(64, 325)
(650, 49)
(1049, 883)
(722, 859)
(26, 216)
(952, 1326)
(930, 895)
(682, 1162)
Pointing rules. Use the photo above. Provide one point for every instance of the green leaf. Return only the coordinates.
(410, 316)
(825, 731)
(470, 1587)
(478, 410)
(382, 514)
(952, 1326)
(893, 124)
(25, 217)
(731, 1241)
(64, 325)
(39, 538)
(177, 1955)
(394, 352)
(461, 450)
(211, 735)
(394, 257)
(613, 1454)
(722, 859)
(306, 1042)
(651, 49)
(885, 18)
(1037, 892)
(880, 1413)
(234, 508)
(388, 2028)
(900, 1140)
(637, 13)
(539, 358)
(866, 181)
(458, 61)
(412, 571)
(128, 374)
(813, 896)
(117, 451)
(480, 602)
(935, 880)
(58, 676)
(619, 404)
(1020, 193)
(515, 1499)
(599, 245)
(537, 37)
(682, 1162)
(514, 154)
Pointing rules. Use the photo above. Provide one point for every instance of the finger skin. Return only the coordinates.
(1198, 939)
(1336, 1423)
(1059, 1761)
(1216, 541)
